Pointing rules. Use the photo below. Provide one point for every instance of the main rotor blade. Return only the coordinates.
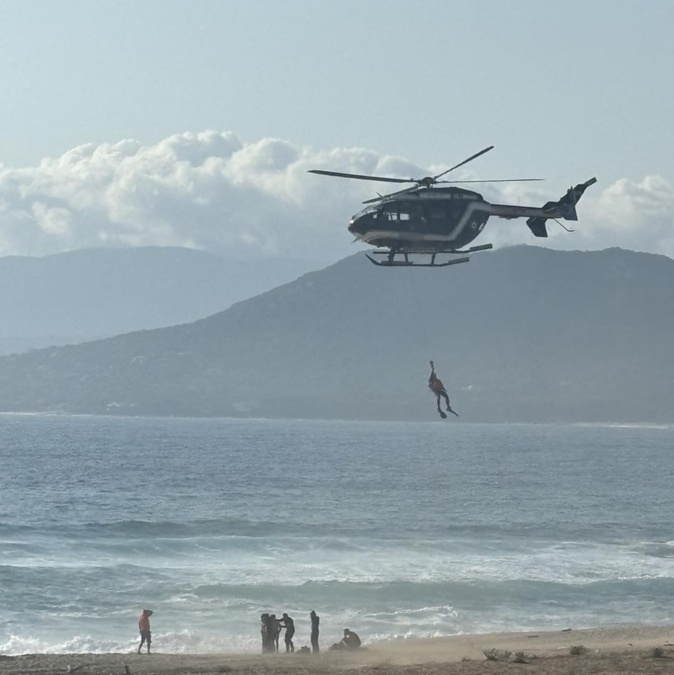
(358, 176)
(391, 194)
(497, 180)
(465, 161)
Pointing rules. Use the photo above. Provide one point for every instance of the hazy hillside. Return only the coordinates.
(88, 294)
(521, 334)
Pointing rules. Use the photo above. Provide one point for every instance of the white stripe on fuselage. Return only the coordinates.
(500, 210)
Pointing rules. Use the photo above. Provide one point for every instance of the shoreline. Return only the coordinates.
(621, 648)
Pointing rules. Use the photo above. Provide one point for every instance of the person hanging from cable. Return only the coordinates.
(436, 386)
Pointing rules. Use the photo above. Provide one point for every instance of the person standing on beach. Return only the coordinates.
(275, 627)
(288, 623)
(264, 632)
(144, 628)
(315, 619)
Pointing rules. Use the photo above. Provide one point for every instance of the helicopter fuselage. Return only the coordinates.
(426, 219)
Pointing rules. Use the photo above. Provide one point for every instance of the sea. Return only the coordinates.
(394, 530)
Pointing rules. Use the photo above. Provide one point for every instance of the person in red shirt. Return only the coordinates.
(436, 386)
(144, 628)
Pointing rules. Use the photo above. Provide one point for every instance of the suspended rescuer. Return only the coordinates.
(436, 386)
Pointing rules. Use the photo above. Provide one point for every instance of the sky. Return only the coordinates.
(173, 122)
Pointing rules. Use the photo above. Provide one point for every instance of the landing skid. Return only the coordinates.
(391, 262)
(390, 257)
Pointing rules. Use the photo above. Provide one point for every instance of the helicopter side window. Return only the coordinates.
(389, 212)
(410, 212)
(404, 215)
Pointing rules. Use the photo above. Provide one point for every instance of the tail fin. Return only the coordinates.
(564, 208)
(537, 226)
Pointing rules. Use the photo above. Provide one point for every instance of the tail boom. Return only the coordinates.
(536, 217)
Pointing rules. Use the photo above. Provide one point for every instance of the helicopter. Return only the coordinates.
(435, 221)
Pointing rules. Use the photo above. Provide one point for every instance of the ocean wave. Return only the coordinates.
(357, 534)
(179, 642)
(288, 561)
(660, 550)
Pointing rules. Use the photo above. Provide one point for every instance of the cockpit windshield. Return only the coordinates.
(372, 208)
(393, 211)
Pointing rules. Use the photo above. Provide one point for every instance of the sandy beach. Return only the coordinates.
(619, 649)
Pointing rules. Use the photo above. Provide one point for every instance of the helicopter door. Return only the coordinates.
(437, 217)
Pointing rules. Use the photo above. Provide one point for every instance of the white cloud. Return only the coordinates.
(209, 190)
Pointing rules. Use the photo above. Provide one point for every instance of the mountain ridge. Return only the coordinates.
(88, 294)
(522, 334)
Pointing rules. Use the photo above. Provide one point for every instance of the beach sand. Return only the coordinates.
(619, 649)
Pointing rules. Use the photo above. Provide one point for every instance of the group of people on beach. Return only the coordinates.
(271, 627)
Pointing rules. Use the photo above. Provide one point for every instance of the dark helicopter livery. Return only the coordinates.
(442, 220)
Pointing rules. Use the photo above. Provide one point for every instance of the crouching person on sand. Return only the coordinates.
(144, 628)
(349, 641)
